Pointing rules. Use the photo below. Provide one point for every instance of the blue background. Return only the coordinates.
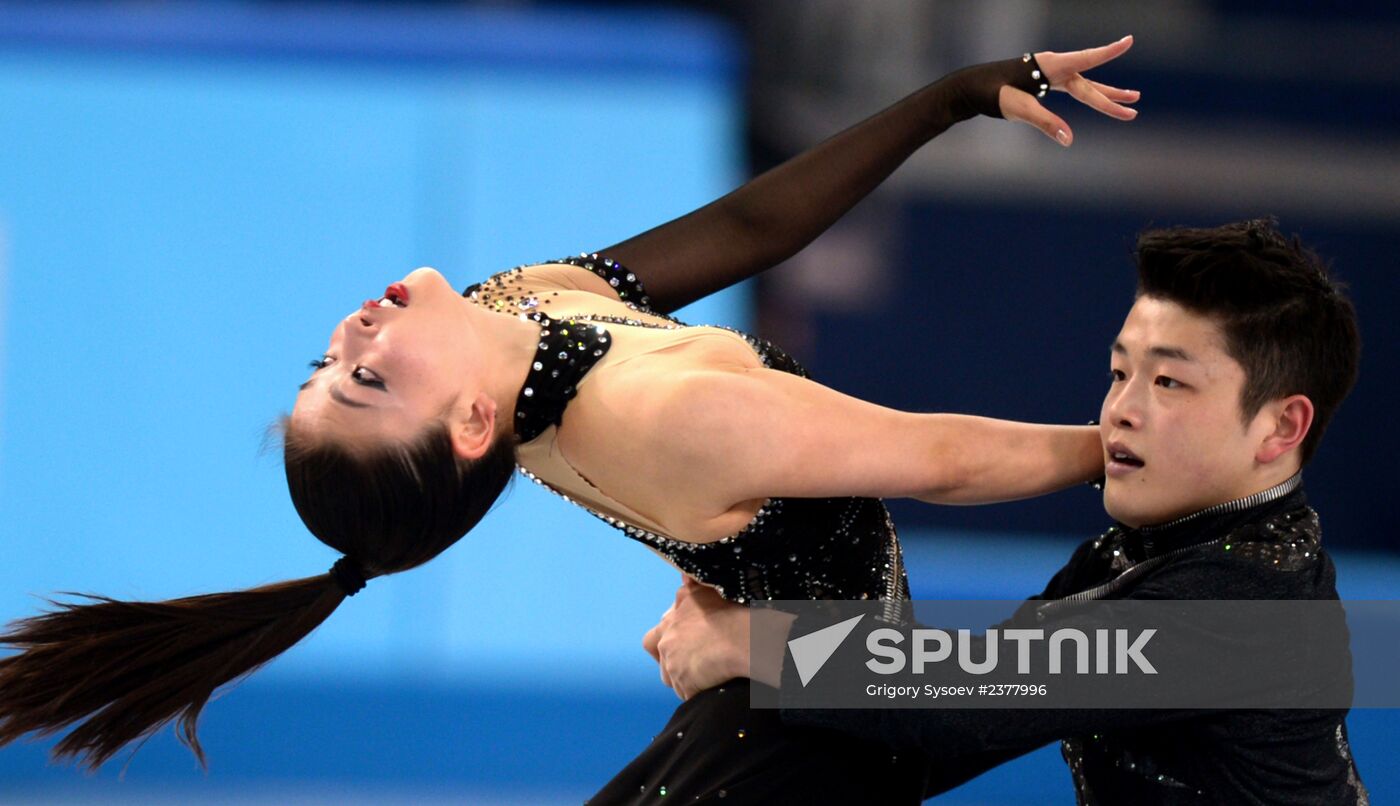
(191, 196)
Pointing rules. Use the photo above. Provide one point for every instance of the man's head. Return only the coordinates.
(1236, 353)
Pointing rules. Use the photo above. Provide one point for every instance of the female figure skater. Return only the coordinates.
(710, 447)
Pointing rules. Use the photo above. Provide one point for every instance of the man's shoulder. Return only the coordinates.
(1276, 558)
(1279, 556)
(1078, 572)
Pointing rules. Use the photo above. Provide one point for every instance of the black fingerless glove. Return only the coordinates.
(774, 215)
(976, 90)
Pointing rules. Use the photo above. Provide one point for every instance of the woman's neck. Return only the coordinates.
(508, 342)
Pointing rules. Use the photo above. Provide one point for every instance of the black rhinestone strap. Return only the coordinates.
(629, 288)
(567, 350)
(1038, 84)
(628, 285)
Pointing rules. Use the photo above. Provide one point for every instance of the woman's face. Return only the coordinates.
(389, 369)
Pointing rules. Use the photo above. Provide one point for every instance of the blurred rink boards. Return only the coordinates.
(190, 198)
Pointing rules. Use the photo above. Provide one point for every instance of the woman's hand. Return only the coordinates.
(1065, 73)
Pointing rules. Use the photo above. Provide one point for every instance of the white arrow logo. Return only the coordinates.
(813, 650)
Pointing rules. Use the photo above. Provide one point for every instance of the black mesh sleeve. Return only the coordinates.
(774, 215)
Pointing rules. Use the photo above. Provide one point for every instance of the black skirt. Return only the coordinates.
(717, 750)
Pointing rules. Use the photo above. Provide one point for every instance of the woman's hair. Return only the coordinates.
(126, 668)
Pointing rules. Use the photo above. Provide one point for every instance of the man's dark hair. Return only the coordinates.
(1284, 319)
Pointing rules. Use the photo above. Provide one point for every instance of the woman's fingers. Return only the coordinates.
(1083, 91)
(1115, 94)
(1063, 70)
(1062, 65)
(1019, 105)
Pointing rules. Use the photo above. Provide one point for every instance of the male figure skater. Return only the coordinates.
(1236, 352)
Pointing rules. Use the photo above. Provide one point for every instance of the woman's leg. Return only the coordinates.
(716, 749)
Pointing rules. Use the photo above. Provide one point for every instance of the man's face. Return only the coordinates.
(1171, 423)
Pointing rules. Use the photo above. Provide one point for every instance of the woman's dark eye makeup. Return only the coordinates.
(374, 383)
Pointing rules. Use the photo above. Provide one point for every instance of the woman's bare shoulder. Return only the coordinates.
(626, 433)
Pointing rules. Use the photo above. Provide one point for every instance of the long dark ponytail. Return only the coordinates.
(125, 669)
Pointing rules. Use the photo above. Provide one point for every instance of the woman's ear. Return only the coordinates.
(473, 428)
(1291, 419)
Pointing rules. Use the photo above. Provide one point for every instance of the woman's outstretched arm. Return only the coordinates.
(776, 214)
(754, 433)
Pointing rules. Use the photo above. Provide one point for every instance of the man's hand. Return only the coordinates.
(701, 641)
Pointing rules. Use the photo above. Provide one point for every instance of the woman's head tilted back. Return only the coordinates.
(419, 354)
(395, 447)
(394, 450)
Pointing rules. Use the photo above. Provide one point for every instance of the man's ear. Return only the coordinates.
(1290, 419)
(473, 428)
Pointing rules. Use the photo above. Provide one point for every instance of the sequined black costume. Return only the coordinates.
(841, 548)
(714, 748)
(830, 548)
(1267, 546)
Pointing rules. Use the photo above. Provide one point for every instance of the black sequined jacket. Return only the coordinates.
(1267, 546)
